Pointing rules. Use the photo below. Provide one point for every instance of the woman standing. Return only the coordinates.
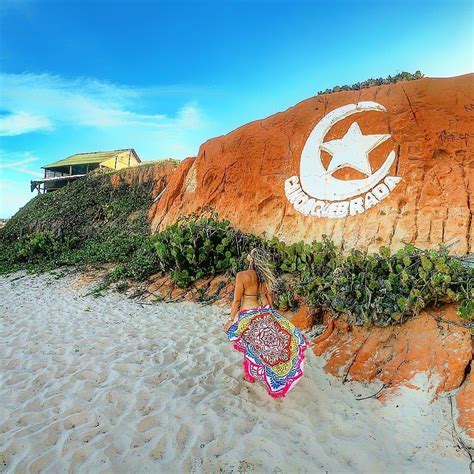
(273, 347)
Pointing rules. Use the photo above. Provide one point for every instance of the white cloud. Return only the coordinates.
(19, 162)
(16, 171)
(22, 122)
(43, 101)
(189, 116)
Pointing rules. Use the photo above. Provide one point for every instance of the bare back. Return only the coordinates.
(249, 292)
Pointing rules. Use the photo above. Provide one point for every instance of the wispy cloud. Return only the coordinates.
(22, 122)
(19, 162)
(37, 102)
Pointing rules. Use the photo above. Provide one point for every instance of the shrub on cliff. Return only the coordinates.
(381, 288)
(194, 248)
(401, 76)
(386, 289)
(88, 221)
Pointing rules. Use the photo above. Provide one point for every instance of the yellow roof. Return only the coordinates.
(88, 158)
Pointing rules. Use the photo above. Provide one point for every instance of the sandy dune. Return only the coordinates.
(109, 385)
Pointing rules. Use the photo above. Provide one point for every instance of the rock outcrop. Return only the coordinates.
(437, 343)
(465, 405)
(432, 343)
(419, 141)
(158, 174)
(428, 124)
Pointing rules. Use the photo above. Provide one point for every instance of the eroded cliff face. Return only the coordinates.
(436, 344)
(432, 342)
(407, 149)
(409, 159)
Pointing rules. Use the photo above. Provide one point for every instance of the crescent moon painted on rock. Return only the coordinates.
(314, 178)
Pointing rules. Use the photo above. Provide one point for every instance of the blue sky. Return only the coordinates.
(163, 77)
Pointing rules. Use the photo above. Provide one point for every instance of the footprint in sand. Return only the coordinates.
(51, 434)
(146, 410)
(79, 457)
(182, 436)
(156, 379)
(148, 423)
(74, 420)
(40, 463)
(158, 451)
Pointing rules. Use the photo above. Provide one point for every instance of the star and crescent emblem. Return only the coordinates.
(352, 150)
(317, 192)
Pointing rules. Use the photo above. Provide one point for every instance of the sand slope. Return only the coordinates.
(109, 385)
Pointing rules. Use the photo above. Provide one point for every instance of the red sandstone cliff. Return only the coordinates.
(158, 173)
(431, 127)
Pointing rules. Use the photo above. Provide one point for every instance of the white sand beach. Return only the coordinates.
(110, 385)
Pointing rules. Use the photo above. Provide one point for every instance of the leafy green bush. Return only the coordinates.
(386, 289)
(89, 221)
(142, 263)
(381, 288)
(284, 294)
(194, 248)
(36, 246)
(317, 258)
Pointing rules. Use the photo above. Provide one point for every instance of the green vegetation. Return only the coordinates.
(87, 222)
(402, 76)
(386, 288)
(92, 222)
(193, 248)
(159, 162)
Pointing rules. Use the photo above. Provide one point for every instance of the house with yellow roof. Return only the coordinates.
(62, 172)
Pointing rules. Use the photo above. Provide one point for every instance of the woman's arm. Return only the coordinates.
(238, 291)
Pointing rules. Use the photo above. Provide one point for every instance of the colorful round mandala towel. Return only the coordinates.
(273, 349)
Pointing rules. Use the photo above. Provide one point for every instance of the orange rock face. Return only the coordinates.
(138, 175)
(394, 355)
(303, 319)
(428, 125)
(431, 127)
(465, 405)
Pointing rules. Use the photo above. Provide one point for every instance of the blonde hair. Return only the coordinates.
(260, 263)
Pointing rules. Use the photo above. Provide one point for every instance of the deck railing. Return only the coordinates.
(54, 174)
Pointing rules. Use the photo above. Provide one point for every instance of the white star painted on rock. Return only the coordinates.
(352, 150)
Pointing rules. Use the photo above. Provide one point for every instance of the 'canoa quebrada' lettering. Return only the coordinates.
(310, 206)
